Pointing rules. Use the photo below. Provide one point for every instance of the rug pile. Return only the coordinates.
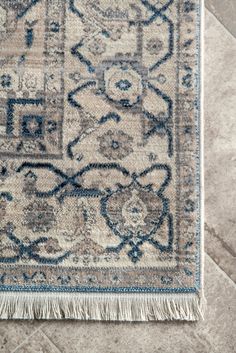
(100, 159)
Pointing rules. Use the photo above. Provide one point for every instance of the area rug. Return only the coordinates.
(100, 147)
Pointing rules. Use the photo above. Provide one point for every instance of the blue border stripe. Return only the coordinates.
(97, 290)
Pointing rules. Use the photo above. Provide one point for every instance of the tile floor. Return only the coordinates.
(217, 333)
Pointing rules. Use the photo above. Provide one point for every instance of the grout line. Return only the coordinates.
(27, 338)
(220, 270)
(213, 232)
(48, 339)
(220, 21)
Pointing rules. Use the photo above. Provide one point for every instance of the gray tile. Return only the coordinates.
(95, 337)
(215, 334)
(37, 343)
(220, 252)
(225, 11)
(12, 333)
(219, 326)
(220, 141)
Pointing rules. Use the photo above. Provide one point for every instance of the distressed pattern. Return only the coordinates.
(100, 146)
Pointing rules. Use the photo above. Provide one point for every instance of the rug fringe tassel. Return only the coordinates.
(110, 307)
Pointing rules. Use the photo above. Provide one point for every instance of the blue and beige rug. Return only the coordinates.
(100, 148)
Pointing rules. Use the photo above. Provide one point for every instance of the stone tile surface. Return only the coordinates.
(220, 144)
(216, 334)
(38, 343)
(225, 11)
(220, 251)
(12, 333)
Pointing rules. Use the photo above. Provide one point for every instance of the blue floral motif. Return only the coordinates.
(5, 81)
(27, 250)
(123, 85)
(32, 126)
(134, 213)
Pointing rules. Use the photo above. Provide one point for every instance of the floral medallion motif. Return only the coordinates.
(154, 46)
(39, 216)
(134, 214)
(115, 144)
(123, 84)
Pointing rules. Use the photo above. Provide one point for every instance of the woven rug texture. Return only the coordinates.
(101, 160)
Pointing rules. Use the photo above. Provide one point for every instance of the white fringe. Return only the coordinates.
(112, 307)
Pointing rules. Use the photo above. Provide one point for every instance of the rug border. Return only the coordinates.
(28, 305)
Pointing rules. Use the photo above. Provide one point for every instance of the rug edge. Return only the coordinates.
(102, 307)
(141, 307)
